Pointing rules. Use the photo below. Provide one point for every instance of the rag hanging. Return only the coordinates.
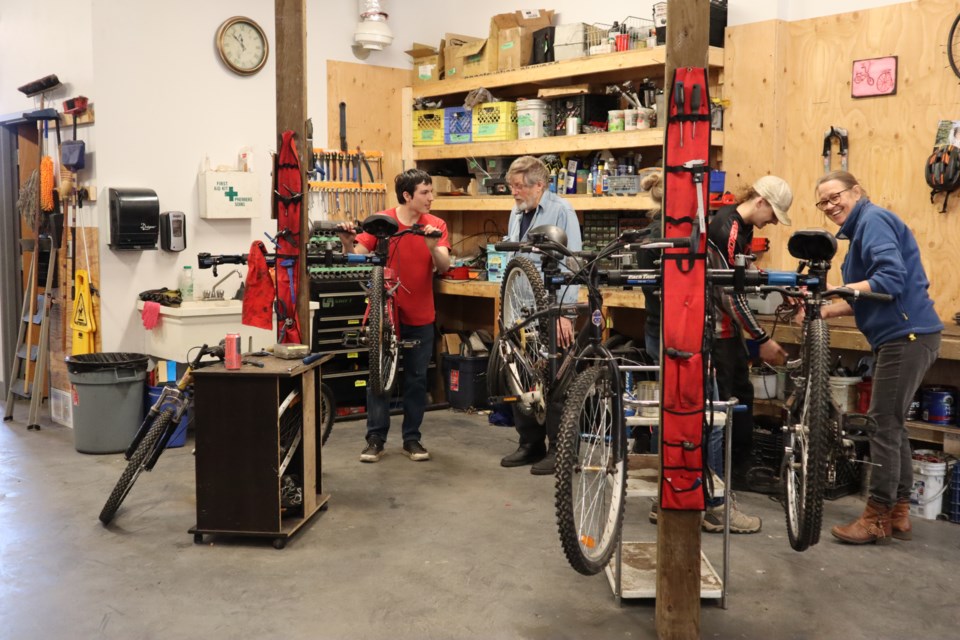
(150, 314)
(258, 292)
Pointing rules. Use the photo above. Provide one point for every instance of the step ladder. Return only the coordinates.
(31, 357)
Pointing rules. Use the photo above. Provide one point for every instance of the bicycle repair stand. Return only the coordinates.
(633, 574)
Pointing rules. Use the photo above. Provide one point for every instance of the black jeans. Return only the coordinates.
(415, 362)
(898, 371)
(733, 380)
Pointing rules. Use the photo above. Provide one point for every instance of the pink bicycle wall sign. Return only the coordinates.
(874, 77)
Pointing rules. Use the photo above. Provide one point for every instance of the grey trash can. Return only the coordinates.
(107, 400)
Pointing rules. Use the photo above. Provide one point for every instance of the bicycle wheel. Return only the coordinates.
(591, 471)
(381, 338)
(140, 455)
(807, 441)
(521, 295)
(290, 419)
(328, 407)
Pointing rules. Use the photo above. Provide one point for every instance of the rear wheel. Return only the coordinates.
(807, 443)
(381, 338)
(521, 295)
(328, 407)
(591, 471)
(140, 456)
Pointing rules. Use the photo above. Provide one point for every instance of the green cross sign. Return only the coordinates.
(230, 193)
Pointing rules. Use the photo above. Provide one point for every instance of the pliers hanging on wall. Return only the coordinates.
(841, 135)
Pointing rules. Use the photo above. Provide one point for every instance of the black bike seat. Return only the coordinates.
(380, 225)
(812, 244)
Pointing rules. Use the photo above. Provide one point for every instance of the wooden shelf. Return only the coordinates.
(604, 68)
(554, 144)
(640, 202)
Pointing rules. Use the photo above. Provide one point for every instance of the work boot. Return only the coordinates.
(872, 526)
(525, 454)
(546, 466)
(900, 520)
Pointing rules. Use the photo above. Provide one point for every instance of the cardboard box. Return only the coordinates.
(479, 57)
(443, 185)
(450, 343)
(514, 36)
(427, 62)
(453, 54)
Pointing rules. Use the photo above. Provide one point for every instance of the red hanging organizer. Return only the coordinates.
(288, 198)
(685, 202)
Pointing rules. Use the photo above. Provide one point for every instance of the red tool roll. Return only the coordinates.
(684, 292)
(288, 198)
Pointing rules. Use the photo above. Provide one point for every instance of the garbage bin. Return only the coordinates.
(107, 399)
(466, 381)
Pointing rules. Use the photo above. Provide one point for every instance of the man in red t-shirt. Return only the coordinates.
(415, 258)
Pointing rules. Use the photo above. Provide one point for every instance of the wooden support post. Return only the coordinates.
(678, 532)
(291, 65)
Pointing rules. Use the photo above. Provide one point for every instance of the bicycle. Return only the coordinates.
(154, 433)
(380, 329)
(816, 435)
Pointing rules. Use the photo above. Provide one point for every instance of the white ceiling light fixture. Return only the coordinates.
(373, 32)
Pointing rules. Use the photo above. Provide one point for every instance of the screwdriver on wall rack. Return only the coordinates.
(695, 106)
(678, 98)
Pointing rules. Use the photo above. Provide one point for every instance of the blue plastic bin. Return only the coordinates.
(457, 125)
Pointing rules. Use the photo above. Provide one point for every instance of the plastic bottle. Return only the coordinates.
(186, 283)
(553, 180)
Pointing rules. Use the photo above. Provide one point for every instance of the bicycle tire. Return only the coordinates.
(328, 409)
(495, 384)
(381, 339)
(953, 46)
(136, 465)
(290, 421)
(807, 444)
(591, 472)
(522, 294)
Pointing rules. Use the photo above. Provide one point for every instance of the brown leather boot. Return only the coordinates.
(900, 520)
(872, 526)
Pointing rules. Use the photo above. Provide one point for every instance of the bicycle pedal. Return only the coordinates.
(409, 344)
(502, 399)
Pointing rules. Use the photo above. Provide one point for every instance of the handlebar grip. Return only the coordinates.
(508, 246)
(433, 234)
(313, 357)
(876, 297)
(782, 278)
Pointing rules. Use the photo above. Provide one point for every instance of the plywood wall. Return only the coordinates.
(789, 82)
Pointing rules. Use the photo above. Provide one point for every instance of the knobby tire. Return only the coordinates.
(328, 405)
(522, 294)
(136, 465)
(591, 472)
(381, 338)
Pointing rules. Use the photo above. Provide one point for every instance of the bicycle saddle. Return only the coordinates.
(380, 225)
(812, 244)
(548, 232)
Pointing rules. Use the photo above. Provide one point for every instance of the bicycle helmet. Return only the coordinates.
(942, 172)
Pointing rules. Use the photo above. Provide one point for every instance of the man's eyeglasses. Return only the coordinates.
(520, 187)
(833, 198)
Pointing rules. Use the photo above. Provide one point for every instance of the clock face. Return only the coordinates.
(242, 45)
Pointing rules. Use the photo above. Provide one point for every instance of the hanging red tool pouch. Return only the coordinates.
(259, 291)
(684, 293)
(288, 198)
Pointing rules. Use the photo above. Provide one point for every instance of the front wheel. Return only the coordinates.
(136, 465)
(328, 408)
(806, 443)
(591, 471)
(381, 338)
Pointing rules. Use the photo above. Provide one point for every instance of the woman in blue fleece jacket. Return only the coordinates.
(905, 337)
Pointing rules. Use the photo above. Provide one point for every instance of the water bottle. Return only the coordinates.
(186, 283)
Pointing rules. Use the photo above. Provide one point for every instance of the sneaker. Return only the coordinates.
(654, 511)
(739, 521)
(415, 451)
(373, 451)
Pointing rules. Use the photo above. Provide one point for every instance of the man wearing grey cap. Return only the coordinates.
(731, 233)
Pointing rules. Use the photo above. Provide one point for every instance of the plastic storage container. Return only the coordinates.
(465, 381)
(427, 127)
(107, 399)
(179, 437)
(457, 125)
(495, 121)
(533, 119)
(929, 484)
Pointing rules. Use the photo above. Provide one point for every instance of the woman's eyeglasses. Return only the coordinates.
(833, 198)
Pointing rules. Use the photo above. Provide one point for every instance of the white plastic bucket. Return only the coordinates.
(532, 119)
(929, 482)
(615, 120)
(843, 389)
(629, 119)
(764, 383)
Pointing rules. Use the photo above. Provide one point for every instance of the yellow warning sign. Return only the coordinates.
(83, 322)
(80, 317)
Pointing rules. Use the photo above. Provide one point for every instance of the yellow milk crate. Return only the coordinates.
(427, 127)
(493, 121)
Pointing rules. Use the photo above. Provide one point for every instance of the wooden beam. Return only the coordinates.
(678, 532)
(291, 65)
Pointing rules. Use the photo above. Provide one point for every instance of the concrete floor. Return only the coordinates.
(457, 547)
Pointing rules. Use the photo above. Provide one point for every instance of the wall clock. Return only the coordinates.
(242, 45)
(953, 46)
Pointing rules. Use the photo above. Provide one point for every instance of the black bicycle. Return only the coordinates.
(817, 437)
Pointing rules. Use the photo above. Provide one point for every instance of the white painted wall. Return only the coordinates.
(164, 102)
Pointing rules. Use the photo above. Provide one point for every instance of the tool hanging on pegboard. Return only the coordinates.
(843, 143)
(338, 179)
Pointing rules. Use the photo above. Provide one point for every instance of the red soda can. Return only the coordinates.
(231, 351)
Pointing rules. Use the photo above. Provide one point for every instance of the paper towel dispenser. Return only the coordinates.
(134, 219)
